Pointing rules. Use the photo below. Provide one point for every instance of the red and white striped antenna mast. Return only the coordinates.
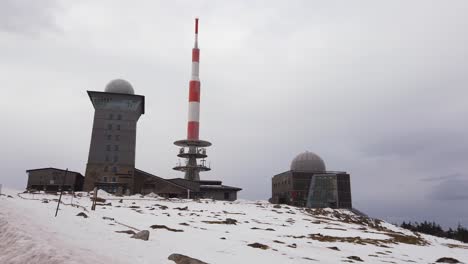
(193, 143)
(193, 125)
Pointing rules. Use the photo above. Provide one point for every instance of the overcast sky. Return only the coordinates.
(376, 88)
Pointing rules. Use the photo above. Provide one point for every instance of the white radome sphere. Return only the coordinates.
(308, 162)
(119, 86)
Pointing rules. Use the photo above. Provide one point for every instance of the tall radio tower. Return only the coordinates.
(193, 148)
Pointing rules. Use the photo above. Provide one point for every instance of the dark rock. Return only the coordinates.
(9, 196)
(143, 235)
(334, 248)
(130, 232)
(355, 258)
(45, 201)
(167, 228)
(277, 206)
(134, 207)
(182, 208)
(82, 214)
(258, 245)
(108, 218)
(293, 245)
(279, 242)
(223, 238)
(182, 259)
(447, 260)
(121, 201)
(228, 221)
(184, 224)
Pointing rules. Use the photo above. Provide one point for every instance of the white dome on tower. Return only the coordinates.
(308, 162)
(119, 86)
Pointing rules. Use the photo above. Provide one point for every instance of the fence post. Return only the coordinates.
(61, 192)
(93, 207)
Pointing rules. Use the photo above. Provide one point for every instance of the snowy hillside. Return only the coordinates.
(211, 231)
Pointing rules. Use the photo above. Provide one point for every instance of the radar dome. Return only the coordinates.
(119, 86)
(308, 162)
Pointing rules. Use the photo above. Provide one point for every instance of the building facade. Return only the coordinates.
(53, 179)
(330, 190)
(305, 184)
(111, 160)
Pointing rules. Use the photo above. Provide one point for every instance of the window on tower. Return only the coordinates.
(108, 147)
(109, 127)
(118, 127)
(111, 116)
(114, 169)
(117, 137)
(116, 147)
(109, 137)
(119, 117)
(107, 157)
(116, 158)
(106, 168)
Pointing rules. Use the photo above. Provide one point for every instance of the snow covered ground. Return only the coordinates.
(211, 231)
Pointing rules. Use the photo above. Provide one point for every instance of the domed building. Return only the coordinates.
(119, 86)
(308, 183)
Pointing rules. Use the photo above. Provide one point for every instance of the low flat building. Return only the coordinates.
(182, 188)
(53, 179)
(308, 183)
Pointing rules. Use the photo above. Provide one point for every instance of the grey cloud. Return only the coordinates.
(27, 16)
(450, 189)
(441, 178)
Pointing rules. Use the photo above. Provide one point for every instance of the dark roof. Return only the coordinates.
(51, 168)
(185, 183)
(219, 187)
(179, 182)
(210, 182)
(135, 95)
(166, 180)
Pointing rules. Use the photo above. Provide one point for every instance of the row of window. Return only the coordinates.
(116, 148)
(115, 158)
(284, 182)
(117, 137)
(110, 127)
(111, 116)
(106, 169)
(112, 179)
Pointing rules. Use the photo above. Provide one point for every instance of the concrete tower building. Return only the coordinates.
(111, 160)
(193, 148)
